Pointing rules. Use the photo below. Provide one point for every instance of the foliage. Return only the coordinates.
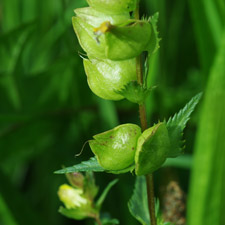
(47, 111)
(176, 125)
(207, 184)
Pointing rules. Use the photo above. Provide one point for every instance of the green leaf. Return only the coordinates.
(177, 123)
(183, 162)
(207, 23)
(77, 214)
(206, 199)
(138, 205)
(5, 214)
(109, 221)
(105, 192)
(154, 40)
(135, 92)
(90, 165)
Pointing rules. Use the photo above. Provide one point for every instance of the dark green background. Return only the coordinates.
(47, 111)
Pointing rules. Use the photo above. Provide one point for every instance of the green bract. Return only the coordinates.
(115, 149)
(152, 149)
(96, 18)
(113, 6)
(113, 42)
(106, 76)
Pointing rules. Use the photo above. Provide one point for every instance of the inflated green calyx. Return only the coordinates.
(96, 18)
(152, 149)
(87, 38)
(108, 41)
(128, 40)
(106, 76)
(113, 6)
(115, 149)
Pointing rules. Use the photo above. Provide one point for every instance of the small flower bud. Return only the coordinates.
(115, 149)
(106, 76)
(113, 6)
(75, 179)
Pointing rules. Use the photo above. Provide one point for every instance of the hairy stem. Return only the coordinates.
(144, 125)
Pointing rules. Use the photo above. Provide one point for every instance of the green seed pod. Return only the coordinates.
(106, 76)
(113, 6)
(115, 149)
(113, 42)
(96, 18)
(152, 149)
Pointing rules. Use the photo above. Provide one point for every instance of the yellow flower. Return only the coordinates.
(71, 197)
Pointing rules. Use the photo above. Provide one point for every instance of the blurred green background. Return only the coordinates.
(47, 111)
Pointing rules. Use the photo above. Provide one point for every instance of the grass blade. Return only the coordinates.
(206, 203)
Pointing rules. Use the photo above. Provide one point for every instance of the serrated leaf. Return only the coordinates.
(138, 205)
(134, 92)
(154, 40)
(90, 165)
(105, 192)
(176, 125)
(107, 220)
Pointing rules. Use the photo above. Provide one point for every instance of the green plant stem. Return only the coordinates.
(98, 221)
(148, 177)
(151, 197)
(144, 125)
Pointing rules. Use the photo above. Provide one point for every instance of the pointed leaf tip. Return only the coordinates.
(90, 165)
(176, 125)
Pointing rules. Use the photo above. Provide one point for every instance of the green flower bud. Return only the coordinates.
(106, 76)
(76, 179)
(96, 18)
(152, 149)
(115, 149)
(113, 6)
(113, 42)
